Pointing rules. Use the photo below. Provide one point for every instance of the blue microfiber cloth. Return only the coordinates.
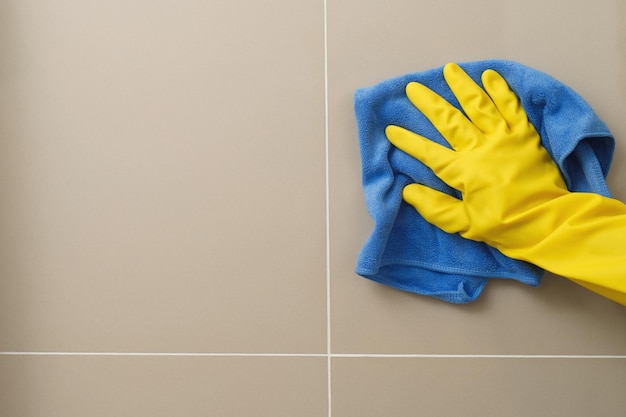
(405, 251)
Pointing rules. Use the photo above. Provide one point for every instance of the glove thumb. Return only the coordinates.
(439, 209)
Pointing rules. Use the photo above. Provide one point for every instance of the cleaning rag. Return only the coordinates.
(404, 250)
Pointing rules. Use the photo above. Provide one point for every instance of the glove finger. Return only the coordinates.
(431, 154)
(447, 119)
(473, 99)
(504, 98)
(439, 209)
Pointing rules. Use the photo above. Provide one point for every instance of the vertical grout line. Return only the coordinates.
(327, 213)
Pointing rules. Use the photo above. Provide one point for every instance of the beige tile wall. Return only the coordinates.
(181, 213)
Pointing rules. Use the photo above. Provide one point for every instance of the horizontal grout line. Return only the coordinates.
(181, 354)
(316, 355)
(473, 356)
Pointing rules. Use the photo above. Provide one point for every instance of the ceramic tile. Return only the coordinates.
(485, 387)
(149, 386)
(371, 42)
(163, 176)
(162, 167)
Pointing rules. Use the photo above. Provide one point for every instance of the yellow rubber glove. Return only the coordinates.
(513, 195)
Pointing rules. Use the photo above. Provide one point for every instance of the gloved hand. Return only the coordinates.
(513, 195)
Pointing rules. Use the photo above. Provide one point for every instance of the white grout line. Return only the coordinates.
(327, 214)
(473, 356)
(318, 355)
(166, 354)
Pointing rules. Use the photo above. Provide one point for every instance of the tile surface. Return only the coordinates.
(154, 157)
(558, 317)
(154, 387)
(478, 387)
(163, 170)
